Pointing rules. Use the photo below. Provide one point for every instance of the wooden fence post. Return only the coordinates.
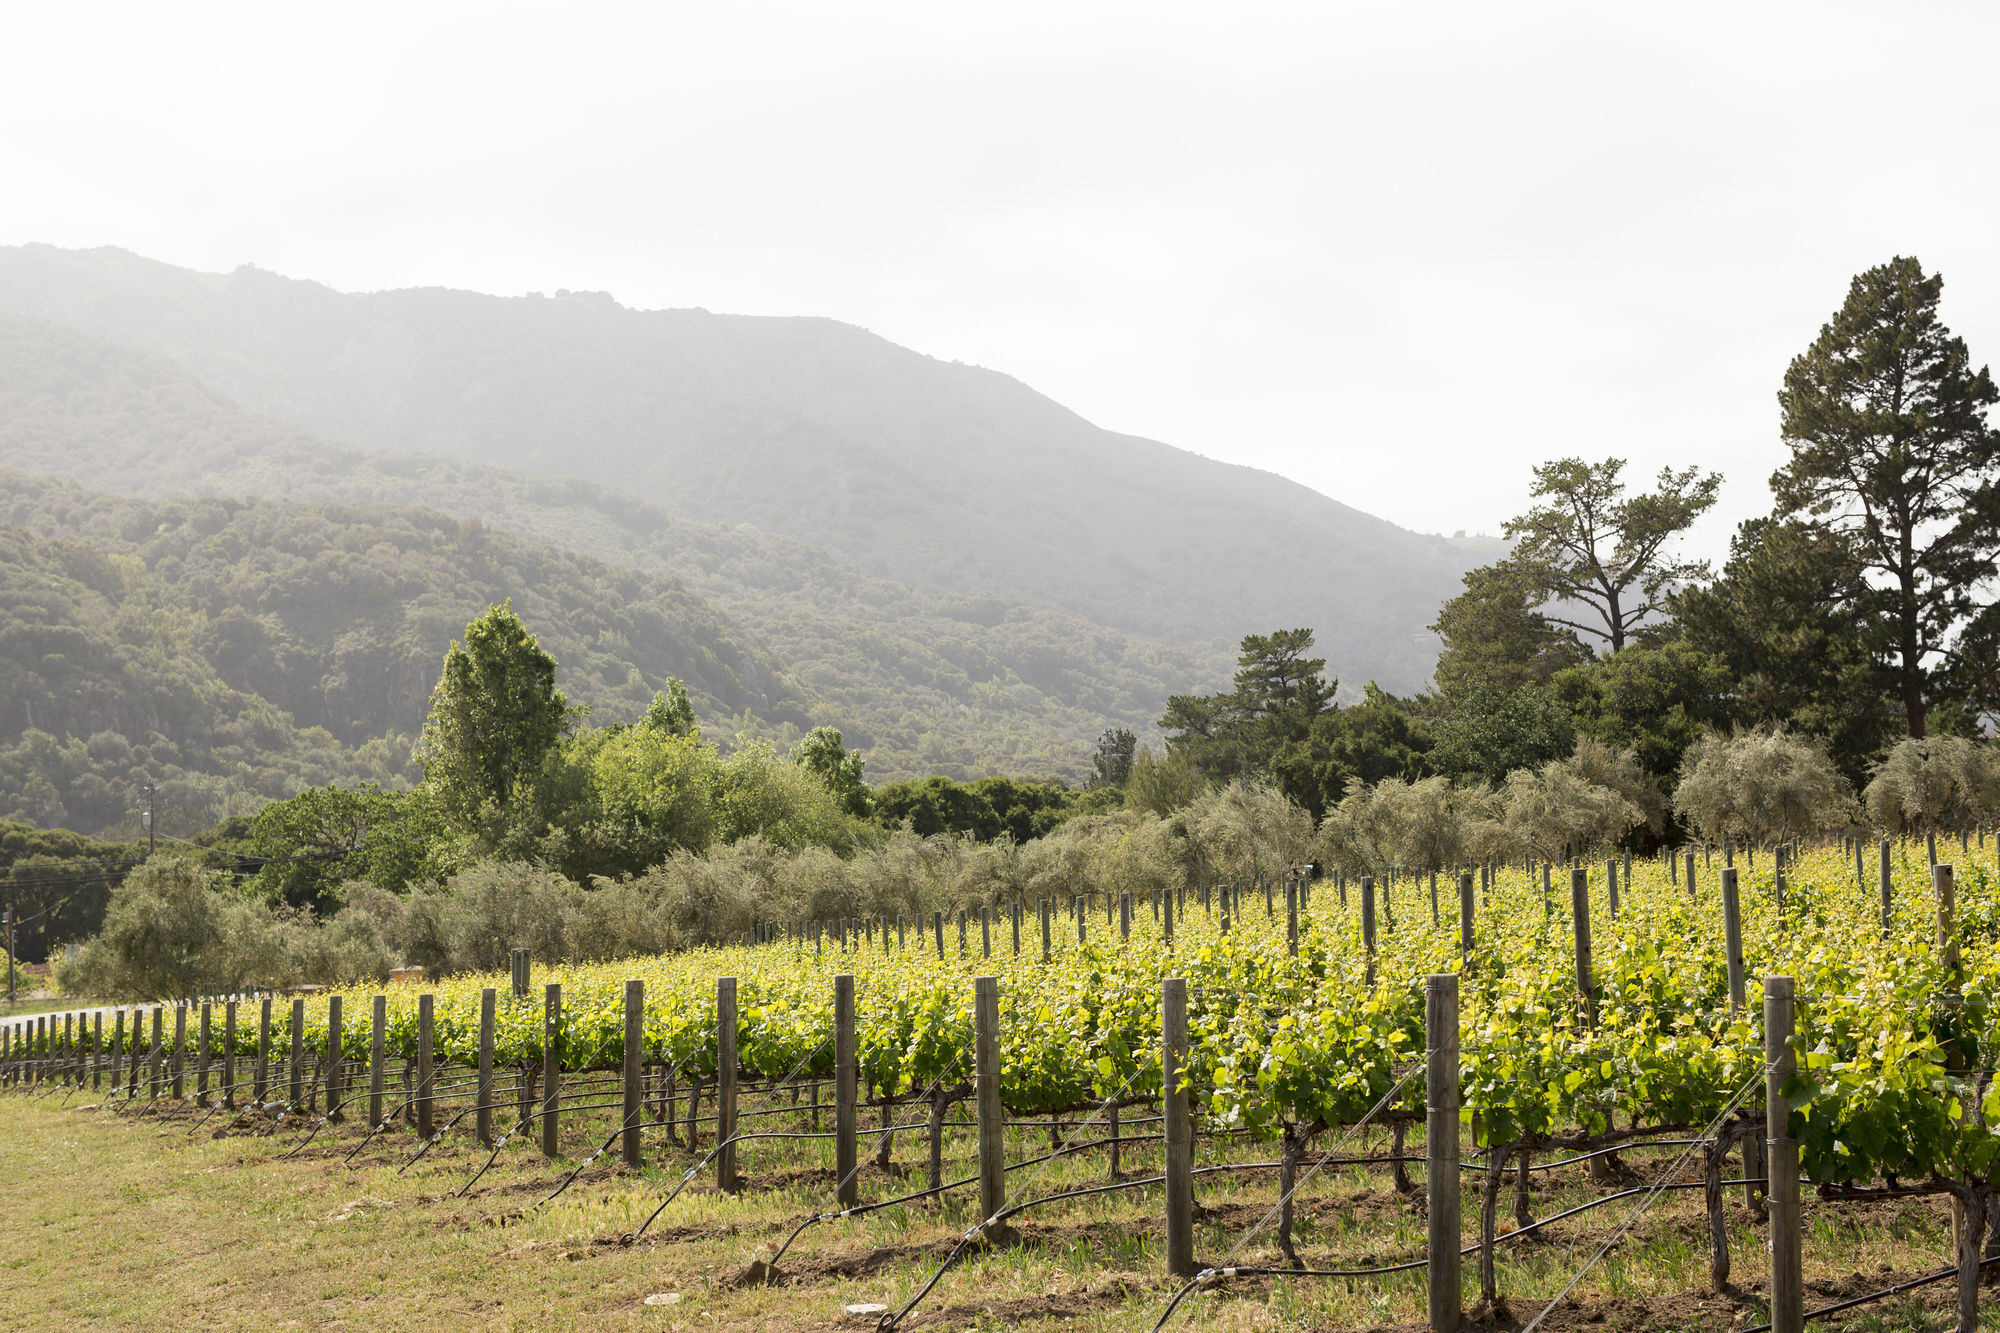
(426, 1037)
(179, 1055)
(937, 928)
(1888, 893)
(157, 1051)
(489, 1000)
(1947, 936)
(847, 1190)
(1441, 1145)
(986, 1078)
(298, 1073)
(1016, 915)
(1690, 876)
(336, 1055)
(260, 1072)
(1579, 906)
(1611, 885)
(1045, 929)
(1786, 1247)
(1368, 923)
(205, 1031)
(1291, 918)
(117, 1049)
(985, 932)
(1465, 915)
(378, 1022)
(1167, 920)
(1179, 1133)
(1125, 915)
(635, 1050)
(1732, 935)
(552, 1053)
(725, 1076)
(228, 1056)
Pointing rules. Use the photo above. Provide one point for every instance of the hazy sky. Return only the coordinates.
(1397, 252)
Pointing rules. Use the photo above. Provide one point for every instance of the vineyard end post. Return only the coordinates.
(551, 1068)
(1579, 906)
(635, 1049)
(725, 1076)
(1441, 1148)
(483, 1122)
(335, 1057)
(298, 1039)
(992, 1125)
(378, 1022)
(426, 1037)
(1785, 1243)
(1179, 1133)
(847, 1191)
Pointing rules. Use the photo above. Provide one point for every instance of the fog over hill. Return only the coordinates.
(963, 685)
(947, 478)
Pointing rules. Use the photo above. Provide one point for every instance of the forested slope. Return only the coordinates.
(950, 478)
(236, 650)
(922, 682)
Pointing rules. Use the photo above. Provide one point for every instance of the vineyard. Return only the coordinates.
(1472, 1040)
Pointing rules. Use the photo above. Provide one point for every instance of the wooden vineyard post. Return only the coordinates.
(1015, 914)
(1179, 1133)
(1579, 906)
(1082, 921)
(179, 1054)
(488, 1004)
(986, 1077)
(1690, 876)
(961, 932)
(154, 1054)
(847, 1190)
(551, 1068)
(1888, 893)
(1368, 923)
(1045, 930)
(1125, 916)
(1947, 936)
(260, 1080)
(1465, 915)
(1611, 885)
(1291, 918)
(203, 1033)
(1441, 1147)
(335, 1057)
(1732, 935)
(937, 928)
(518, 958)
(635, 1050)
(117, 1048)
(378, 1022)
(426, 1037)
(298, 1044)
(985, 932)
(725, 1080)
(228, 1057)
(1786, 1247)
(1167, 921)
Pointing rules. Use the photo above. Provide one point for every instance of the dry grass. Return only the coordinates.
(124, 1219)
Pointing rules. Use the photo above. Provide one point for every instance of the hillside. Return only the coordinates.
(252, 647)
(948, 478)
(962, 685)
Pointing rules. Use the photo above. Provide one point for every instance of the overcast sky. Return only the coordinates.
(1397, 252)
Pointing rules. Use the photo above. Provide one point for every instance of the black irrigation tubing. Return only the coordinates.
(1883, 1294)
(695, 1170)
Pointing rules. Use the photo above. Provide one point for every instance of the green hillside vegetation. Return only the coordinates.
(923, 683)
(233, 651)
(950, 478)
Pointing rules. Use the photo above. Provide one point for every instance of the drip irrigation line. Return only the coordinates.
(1883, 1294)
(1624, 1227)
(891, 1318)
(1206, 1276)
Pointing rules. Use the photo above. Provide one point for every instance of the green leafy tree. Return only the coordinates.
(1278, 693)
(1655, 702)
(1892, 450)
(823, 753)
(496, 714)
(1484, 732)
(1493, 635)
(1111, 765)
(1380, 737)
(325, 836)
(672, 713)
(1161, 784)
(1592, 545)
(1789, 618)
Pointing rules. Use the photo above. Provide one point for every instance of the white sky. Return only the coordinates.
(1398, 252)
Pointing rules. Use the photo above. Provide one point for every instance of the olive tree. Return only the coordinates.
(1936, 784)
(1761, 788)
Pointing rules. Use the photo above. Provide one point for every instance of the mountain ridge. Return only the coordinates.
(952, 479)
